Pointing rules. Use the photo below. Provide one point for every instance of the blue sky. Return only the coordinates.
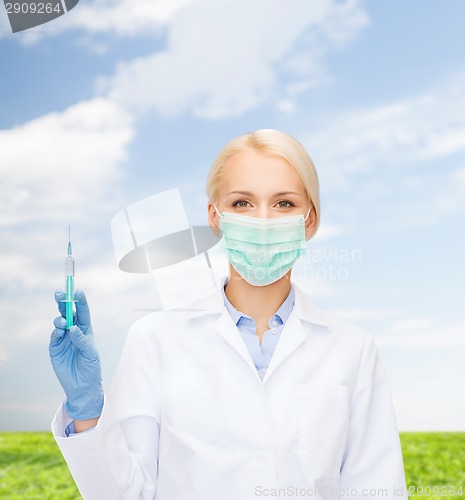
(120, 100)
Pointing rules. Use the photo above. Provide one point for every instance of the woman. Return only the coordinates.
(254, 391)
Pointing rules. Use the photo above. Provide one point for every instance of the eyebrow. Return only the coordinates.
(248, 193)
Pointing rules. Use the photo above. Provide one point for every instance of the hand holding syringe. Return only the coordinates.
(73, 353)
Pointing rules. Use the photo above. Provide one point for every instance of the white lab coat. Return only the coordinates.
(188, 418)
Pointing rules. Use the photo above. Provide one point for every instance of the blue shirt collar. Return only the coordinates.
(282, 313)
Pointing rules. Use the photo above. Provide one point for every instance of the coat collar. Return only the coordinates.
(304, 308)
(292, 335)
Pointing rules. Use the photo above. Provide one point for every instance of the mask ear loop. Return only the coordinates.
(308, 213)
(217, 211)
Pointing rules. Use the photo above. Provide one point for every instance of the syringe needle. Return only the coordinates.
(70, 249)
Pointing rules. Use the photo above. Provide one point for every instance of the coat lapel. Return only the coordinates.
(213, 305)
(292, 336)
(226, 328)
(295, 332)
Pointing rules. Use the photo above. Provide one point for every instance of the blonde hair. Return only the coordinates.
(274, 143)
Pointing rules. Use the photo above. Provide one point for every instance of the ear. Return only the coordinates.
(310, 223)
(213, 219)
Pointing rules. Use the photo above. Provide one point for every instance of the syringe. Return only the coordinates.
(69, 283)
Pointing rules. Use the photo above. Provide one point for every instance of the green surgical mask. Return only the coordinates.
(262, 250)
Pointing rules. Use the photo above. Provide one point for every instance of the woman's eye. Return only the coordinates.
(285, 204)
(240, 203)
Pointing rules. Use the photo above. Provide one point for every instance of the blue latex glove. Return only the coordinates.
(76, 361)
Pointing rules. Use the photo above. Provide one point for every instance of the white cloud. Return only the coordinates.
(244, 53)
(401, 135)
(424, 334)
(62, 159)
(396, 164)
(434, 408)
(450, 197)
(221, 59)
(122, 17)
(58, 168)
(328, 231)
(412, 325)
(361, 314)
(393, 328)
(432, 198)
(286, 106)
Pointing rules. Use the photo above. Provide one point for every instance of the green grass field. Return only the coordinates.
(31, 466)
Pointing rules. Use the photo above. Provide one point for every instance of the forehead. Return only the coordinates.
(252, 170)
